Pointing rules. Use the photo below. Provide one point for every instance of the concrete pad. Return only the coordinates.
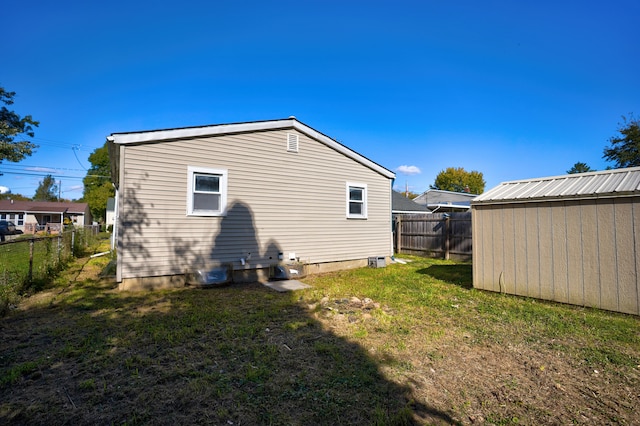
(286, 285)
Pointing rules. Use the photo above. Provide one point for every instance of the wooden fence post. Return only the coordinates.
(398, 226)
(60, 246)
(31, 244)
(447, 236)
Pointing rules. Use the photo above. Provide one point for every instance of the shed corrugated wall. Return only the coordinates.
(582, 252)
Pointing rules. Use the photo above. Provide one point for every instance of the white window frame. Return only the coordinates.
(362, 186)
(222, 173)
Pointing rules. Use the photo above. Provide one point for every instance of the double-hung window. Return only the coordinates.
(356, 201)
(207, 193)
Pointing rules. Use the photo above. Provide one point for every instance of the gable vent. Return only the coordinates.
(292, 142)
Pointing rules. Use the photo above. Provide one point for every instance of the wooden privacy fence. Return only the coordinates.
(442, 235)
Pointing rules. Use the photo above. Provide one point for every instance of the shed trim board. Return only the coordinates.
(280, 204)
(582, 248)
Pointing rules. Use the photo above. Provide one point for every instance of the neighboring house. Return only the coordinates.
(572, 239)
(439, 201)
(404, 205)
(248, 195)
(33, 216)
(110, 218)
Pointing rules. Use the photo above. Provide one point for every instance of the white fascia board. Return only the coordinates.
(410, 212)
(194, 132)
(342, 149)
(221, 129)
(455, 206)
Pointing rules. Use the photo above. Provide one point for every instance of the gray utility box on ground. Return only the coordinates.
(377, 262)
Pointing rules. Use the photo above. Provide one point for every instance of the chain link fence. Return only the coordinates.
(30, 263)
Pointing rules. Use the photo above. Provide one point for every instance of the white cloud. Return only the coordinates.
(408, 170)
(41, 170)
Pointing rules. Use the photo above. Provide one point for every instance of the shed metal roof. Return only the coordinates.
(603, 184)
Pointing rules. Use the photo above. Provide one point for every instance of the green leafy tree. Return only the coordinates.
(625, 147)
(97, 183)
(47, 190)
(457, 179)
(580, 167)
(14, 131)
(16, 197)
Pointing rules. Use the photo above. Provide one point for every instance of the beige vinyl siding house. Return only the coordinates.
(248, 195)
(573, 239)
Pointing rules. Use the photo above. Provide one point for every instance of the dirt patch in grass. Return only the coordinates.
(392, 346)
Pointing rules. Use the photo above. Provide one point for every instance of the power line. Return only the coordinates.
(26, 166)
(52, 175)
(61, 144)
(74, 148)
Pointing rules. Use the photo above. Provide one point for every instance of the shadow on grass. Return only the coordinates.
(236, 355)
(460, 274)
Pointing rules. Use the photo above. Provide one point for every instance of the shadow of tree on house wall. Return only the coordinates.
(132, 225)
(236, 244)
(237, 238)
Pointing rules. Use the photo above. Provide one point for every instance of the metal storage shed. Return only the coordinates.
(572, 239)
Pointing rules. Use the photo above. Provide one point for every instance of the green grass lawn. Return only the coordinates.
(405, 344)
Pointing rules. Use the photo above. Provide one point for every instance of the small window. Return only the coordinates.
(356, 201)
(20, 219)
(207, 194)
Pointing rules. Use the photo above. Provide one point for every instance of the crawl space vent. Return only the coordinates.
(292, 142)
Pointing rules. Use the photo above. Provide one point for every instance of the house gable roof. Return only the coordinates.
(42, 206)
(603, 184)
(401, 204)
(431, 196)
(154, 136)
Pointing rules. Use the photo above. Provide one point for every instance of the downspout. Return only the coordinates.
(116, 158)
(392, 180)
(120, 168)
(114, 231)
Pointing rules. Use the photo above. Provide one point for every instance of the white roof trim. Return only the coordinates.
(221, 129)
(466, 194)
(454, 206)
(411, 211)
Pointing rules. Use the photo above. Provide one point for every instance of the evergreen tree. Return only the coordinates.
(580, 167)
(625, 148)
(47, 190)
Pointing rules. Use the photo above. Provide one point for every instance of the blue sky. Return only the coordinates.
(512, 89)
